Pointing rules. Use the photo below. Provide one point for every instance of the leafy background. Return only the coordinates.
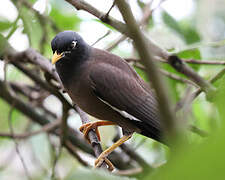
(197, 34)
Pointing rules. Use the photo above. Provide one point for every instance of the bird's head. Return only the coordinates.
(67, 44)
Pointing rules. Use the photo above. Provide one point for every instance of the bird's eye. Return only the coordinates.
(73, 44)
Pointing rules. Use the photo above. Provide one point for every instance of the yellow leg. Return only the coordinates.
(94, 125)
(105, 153)
(110, 165)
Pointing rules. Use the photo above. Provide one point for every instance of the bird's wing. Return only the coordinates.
(124, 93)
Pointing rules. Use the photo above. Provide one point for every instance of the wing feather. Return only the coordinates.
(125, 92)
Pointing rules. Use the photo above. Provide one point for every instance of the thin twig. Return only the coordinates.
(57, 155)
(63, 137)
(13, 28)
(115, 43)
(198, 131)
(206, 62)
(102, 37)
(189, 61)
(169, 75)
(146, 14)
(73, 151)
(45, 128)
(17, 145)
(129, 172)
(178, 78)
(181, 67)
(105, 17)
(132, 153)
(217, 76)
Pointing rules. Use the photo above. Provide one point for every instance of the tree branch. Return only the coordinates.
(168, 74)
(167, 116)
(181, 67)
(92, 135)
(217, 76)
(46, 128)
(189, 61)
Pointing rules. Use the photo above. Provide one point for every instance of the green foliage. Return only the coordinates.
(142, 73)
(190, 54)
(220, 99)
(4, 24)
(183, 29)
(32, 27)
(203, 161)
(17, 117)
(64, 20)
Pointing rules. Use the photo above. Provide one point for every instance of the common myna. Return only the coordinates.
(106, 87)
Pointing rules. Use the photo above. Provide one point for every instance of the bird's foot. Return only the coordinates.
(94, 126)
(99, 162)
(104, 154)
(87, 127)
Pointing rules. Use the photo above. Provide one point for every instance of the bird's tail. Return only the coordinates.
(150, 131)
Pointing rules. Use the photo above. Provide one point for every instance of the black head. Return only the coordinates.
(68, 45)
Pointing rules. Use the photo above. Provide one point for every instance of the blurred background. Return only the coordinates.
(195, 29)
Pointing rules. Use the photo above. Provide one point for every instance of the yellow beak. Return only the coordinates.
(56, 57)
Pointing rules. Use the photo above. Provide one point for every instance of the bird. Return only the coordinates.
(106, 87)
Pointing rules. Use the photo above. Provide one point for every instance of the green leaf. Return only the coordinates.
(32, 27)
(173, 92)
(191, 35)
(202, 161)
(183, 28)
(171, 22)
(4, 25)
(142, 73)
(141, 4)
(170, 69)
(190, 54)
(220, 98)
(64, 20)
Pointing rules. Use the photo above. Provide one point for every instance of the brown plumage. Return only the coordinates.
(105, 86)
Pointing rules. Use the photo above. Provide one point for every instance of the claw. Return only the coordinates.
(99, 161)
(87, 127)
